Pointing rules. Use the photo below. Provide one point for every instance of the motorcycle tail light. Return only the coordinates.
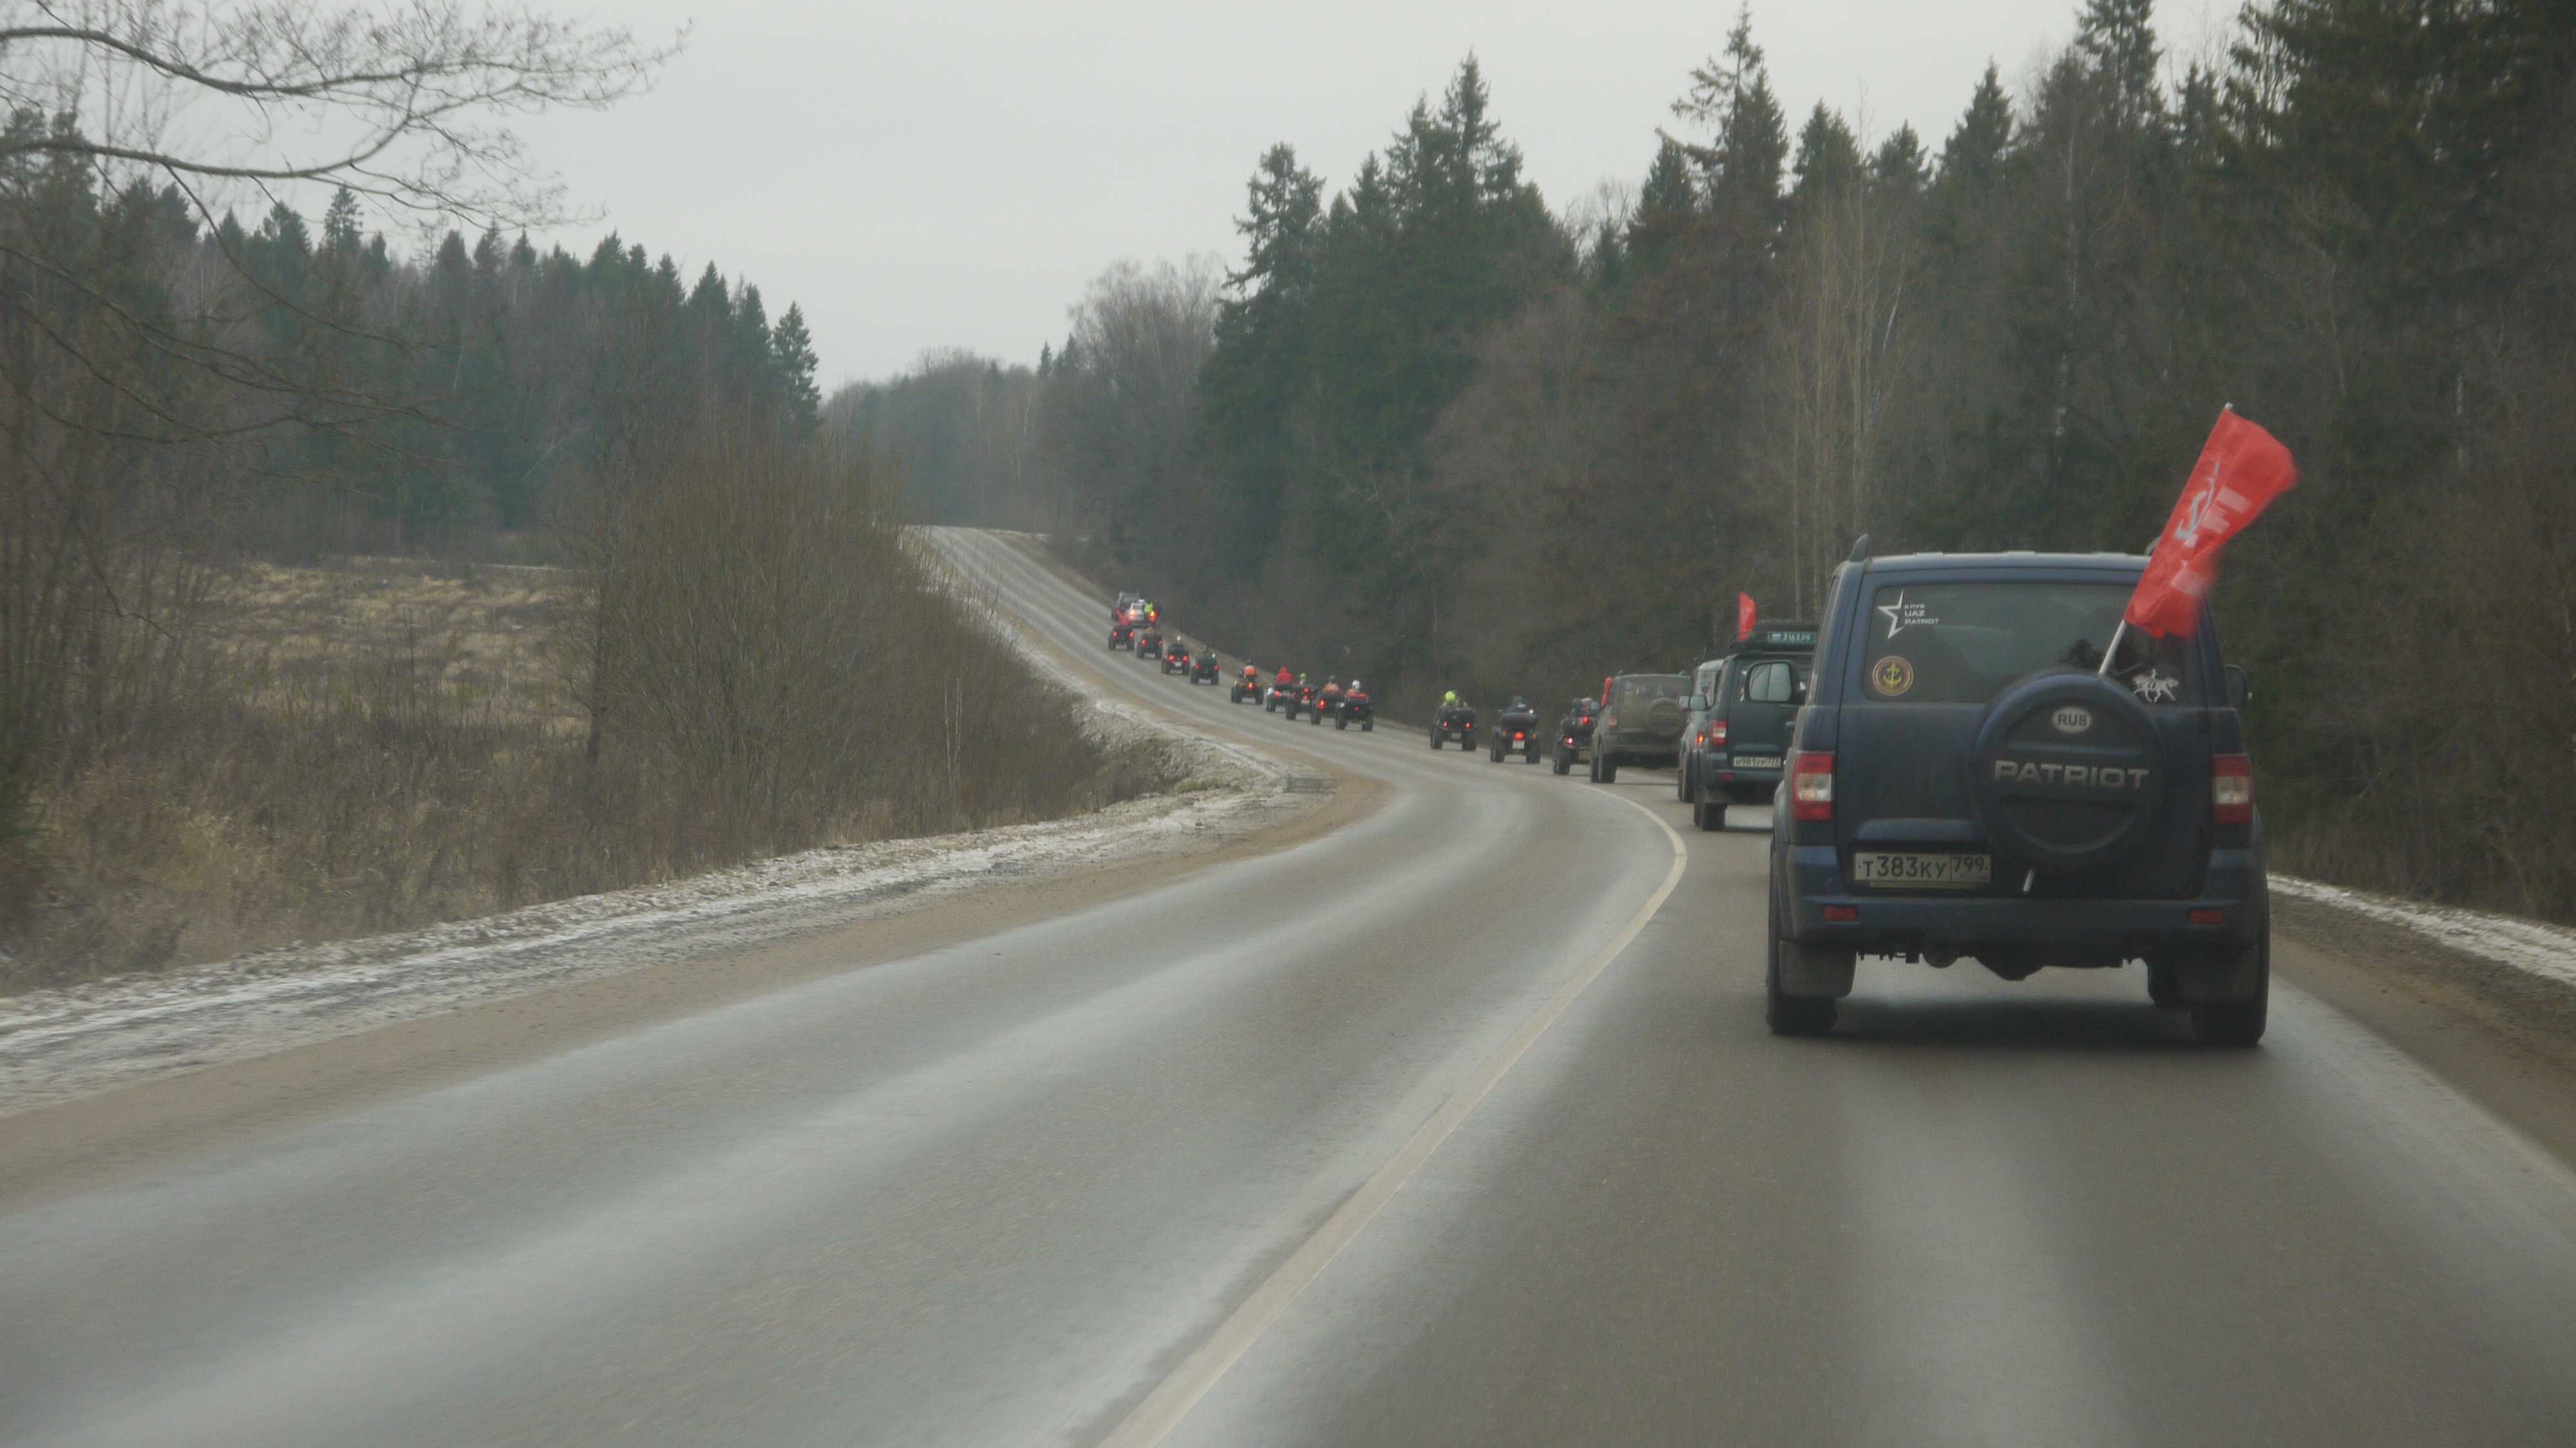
(1811, 787)
(2231, 790)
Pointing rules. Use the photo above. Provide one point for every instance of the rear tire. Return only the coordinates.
(1368, 726)
(1435, 738)
(2239, 1024)
(1609, 768)
(2162, 988)
(1709, 814)
(1789, 1015)
(1564, 764)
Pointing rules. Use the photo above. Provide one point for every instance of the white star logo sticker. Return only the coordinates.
(1895, 613)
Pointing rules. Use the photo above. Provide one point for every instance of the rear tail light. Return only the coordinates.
(2231, 790)
(1717, 734)
(1811, 787)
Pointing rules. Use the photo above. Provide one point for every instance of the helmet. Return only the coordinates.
(1449, 698)
(1355, 686)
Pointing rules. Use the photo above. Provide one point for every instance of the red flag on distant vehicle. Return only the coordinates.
(2241, 470)
(1744, 615)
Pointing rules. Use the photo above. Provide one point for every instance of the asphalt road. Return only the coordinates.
(1429, 1130)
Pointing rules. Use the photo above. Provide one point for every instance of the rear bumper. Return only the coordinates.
(2233, 888)
(1718, 771)
(1647, 749)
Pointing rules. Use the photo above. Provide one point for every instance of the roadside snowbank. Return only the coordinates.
(58, 1044)
(2547, 951)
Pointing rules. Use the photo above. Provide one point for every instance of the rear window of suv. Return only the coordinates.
(1962, 643)
(1647, 688)
(1771, 681)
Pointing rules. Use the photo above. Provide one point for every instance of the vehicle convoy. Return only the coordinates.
(1574, 733)
(1745, 716)
(1205, 670)
(1966, 780)
(1640, 723)
(1454, 720)
(1515, 731)
(1357, 708)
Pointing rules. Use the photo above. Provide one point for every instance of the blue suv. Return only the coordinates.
(1966, 780)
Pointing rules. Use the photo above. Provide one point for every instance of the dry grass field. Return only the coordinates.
(486, 636)
(333, 750)
(271, 754)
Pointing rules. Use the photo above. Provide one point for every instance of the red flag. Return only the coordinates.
(2241, 470)
(1744, 615)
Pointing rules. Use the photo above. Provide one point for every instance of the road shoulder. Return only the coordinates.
(2504, 1038)
(80, 1144)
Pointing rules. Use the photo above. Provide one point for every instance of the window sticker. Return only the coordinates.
(1902, 615)
(1894, 675)
(2156, 688)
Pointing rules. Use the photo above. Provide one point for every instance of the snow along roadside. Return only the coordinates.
(2527, 946)
(76, 1040)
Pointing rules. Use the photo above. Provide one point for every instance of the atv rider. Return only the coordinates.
(1329, 700)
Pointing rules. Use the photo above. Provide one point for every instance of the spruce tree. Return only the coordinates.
(792, 349)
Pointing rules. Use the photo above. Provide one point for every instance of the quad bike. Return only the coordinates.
(1359, 707)
(1516, 732)
(1455, 721)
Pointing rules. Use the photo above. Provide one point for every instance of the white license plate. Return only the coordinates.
(1757, 761)
(1926, 871)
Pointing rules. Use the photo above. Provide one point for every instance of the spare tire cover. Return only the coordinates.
(2067, 773)
(1664, 716)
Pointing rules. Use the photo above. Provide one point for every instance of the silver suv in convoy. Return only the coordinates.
(1641, 723)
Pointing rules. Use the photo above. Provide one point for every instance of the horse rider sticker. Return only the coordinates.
(1893, 676)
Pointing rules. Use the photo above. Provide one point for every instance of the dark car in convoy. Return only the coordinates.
(1454, 722)
(1746, 716)
(1640, 723)
(1968, 781)
(1574, 733)
(1695, 710)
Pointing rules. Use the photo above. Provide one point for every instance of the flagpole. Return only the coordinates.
(2113, 651)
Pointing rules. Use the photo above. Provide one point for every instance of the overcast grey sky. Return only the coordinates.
(925, 175)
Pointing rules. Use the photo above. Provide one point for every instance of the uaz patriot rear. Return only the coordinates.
(1966, 780)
